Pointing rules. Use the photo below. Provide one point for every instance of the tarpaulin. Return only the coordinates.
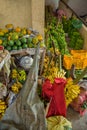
(27, 111)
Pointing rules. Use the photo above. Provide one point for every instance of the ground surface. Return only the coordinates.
(78, 122)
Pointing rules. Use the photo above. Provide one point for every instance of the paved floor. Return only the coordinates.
(78, 122)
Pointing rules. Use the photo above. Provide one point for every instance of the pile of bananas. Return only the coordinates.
(16, 87)
(20, 75)
(71, 91)
(3, 107)
(52, 71)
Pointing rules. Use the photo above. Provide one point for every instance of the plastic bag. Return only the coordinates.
(27, 111)
(53, 3)
(58, 123)
(79, 104)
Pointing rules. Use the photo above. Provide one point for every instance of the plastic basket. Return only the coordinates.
(67, 62)
(82, 54)
(77, 23)
(80, 63)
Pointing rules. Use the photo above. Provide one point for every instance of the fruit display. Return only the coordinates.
(56, 35)
(19, 75)
(16, 38)
(17, 80)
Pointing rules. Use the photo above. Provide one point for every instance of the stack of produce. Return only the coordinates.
(18, 79)
(19, 38)
(55, 35)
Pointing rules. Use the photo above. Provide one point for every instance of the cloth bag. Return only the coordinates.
(58, 123)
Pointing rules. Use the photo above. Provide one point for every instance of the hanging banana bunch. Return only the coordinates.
(71, 91)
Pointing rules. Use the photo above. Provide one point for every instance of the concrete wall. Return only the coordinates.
(23, 13)
(79, 6)
(17, 12)
(38, 15)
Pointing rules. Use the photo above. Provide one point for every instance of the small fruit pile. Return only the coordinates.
(19, 38)
(18, 78)
(19, 75)
(16, 87)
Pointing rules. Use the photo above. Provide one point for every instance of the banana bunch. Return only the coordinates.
(52, 74)
(21, 76)
(14, 74)
(61, 74)
(16, 87)
(35, 40)
(50, 70)
(3, 107)
(71, 91)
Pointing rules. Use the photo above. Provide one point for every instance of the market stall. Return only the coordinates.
(58, 61)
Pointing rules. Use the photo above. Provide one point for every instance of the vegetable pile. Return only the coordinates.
(76, 40)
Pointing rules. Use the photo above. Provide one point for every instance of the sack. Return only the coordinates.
(55, 93)
(58, 123)
(27, 111)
